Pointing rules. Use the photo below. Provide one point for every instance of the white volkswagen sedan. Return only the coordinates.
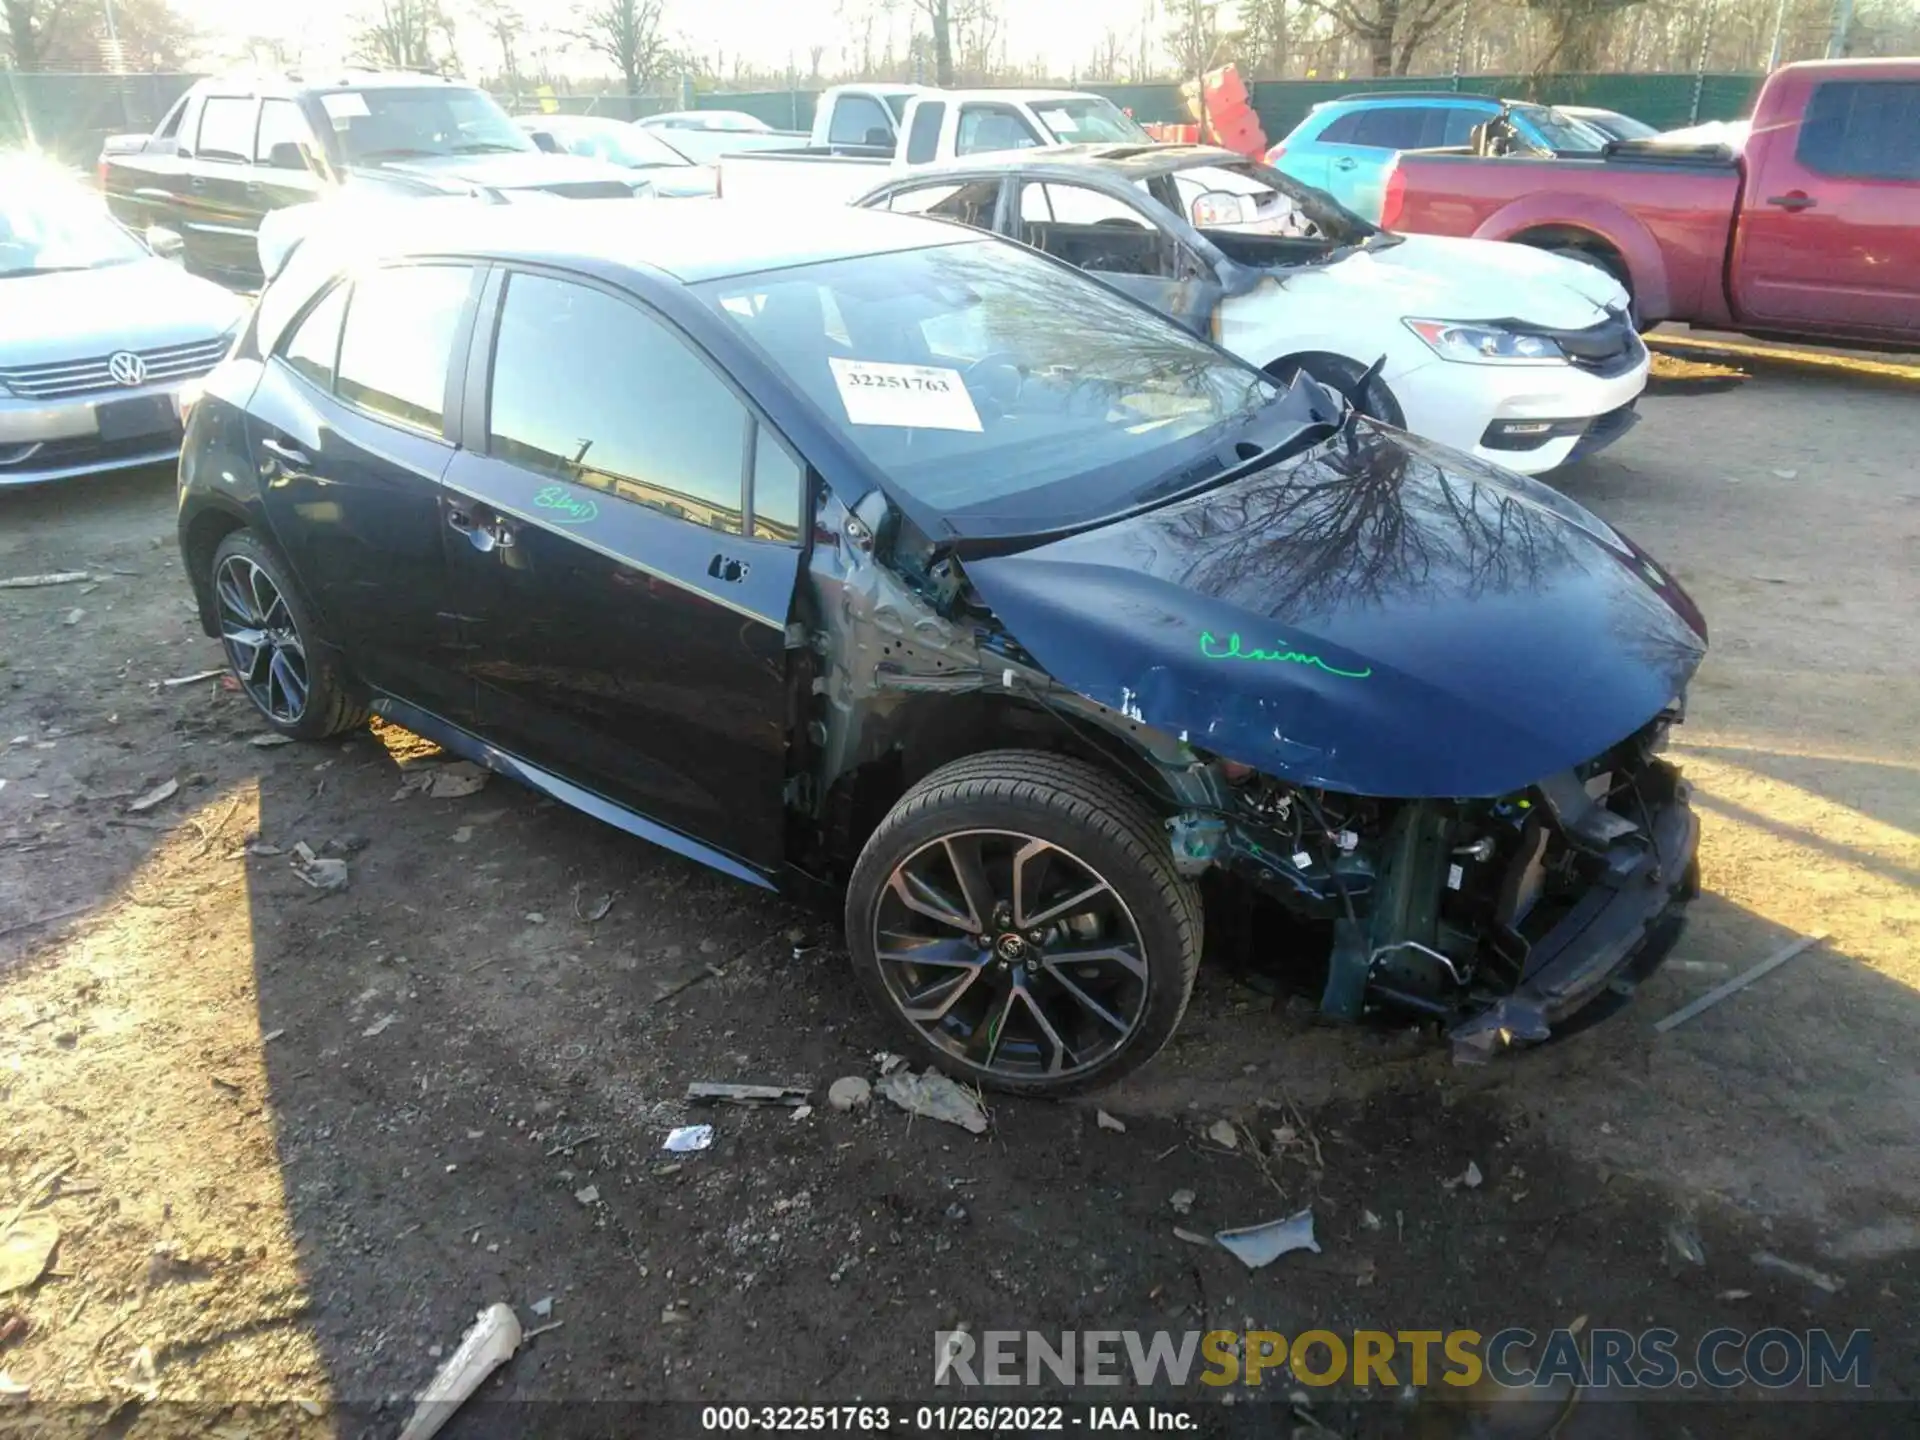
(102, 345)
(1523, 358)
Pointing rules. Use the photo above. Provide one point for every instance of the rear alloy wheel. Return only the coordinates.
(295, 683)
(1020, 916)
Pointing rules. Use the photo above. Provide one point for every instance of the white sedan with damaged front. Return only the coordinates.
(1524, 358)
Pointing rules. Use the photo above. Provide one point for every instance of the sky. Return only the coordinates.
(765, 31)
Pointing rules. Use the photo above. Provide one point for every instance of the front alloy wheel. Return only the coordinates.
(1019, 914)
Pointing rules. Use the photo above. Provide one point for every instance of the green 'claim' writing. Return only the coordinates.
(1212, 650)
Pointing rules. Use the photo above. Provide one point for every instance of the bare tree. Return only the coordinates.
(1390, 30)
(1109, 58)
(1264, 38)
(630, 34)
(505, 23)
(407, 35)
(34, 29)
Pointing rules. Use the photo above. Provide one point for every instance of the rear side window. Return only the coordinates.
(1342, 129)
(1863, 129)
(170, 127)
(970, 204)
(226, 129)
(923, 141)
(398, 342)
(1402, 127)
(587, 388)
(315, 343)
(856, 118)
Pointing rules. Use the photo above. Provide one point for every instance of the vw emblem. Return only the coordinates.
(127, 368)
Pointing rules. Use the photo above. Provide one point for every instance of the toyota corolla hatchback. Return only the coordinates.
(878, 554)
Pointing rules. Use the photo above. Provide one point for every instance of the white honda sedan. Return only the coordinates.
(1523, 358)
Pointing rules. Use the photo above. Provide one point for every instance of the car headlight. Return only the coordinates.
(1485, 344)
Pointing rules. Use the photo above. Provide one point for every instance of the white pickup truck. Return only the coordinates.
(861, 132)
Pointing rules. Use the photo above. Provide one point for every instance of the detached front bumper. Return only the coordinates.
(46, 440)
(1614, 936)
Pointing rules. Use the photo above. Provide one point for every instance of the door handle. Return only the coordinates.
(196, 182)
(1345, 162)
(1793, 200)
(286, 454)
(484, 535)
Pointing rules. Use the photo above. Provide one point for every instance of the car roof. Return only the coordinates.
(1422, 97)
(349, 79)
(1129, 162)
(688, 240)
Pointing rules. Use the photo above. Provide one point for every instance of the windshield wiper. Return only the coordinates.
(490, 147)
(42, 270)
(398, 152)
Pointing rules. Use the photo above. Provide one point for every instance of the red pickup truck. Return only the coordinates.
(1808, 226)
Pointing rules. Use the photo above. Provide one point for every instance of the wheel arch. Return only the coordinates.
(200, 535)
(1605, 230)
(918, 736)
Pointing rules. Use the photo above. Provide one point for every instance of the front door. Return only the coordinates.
(215, 207)
(1121, 243)
(1829, 233)
(349, 428)
(623, 538)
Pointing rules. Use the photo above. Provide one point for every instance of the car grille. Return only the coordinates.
(90, 377)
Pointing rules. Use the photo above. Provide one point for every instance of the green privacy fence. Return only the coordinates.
(69, 115)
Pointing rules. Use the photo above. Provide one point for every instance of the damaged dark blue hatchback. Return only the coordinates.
(877, 554)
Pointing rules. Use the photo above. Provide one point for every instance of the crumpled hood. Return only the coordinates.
(84, 314)
(1439, 277)
(524, 170)
(1378, 616)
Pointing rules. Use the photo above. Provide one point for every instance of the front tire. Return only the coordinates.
(1019, 917)
(1342, 376)
(274, 648)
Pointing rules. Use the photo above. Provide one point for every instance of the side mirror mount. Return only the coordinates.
(287, 155)
(543, 140)
(880, 137)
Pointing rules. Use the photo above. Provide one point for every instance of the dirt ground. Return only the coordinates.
(293, 1141)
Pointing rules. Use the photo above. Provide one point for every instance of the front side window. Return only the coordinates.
(588, 388)
(170, 127)
(860, 120)
(315, 342)
(379, 123)
(923, 140)
(1095, 231)
(970, 204)
(226, 129)
(398, 342)
(987, 128)
(282, 125)
(1000, 390)
(1863, 130)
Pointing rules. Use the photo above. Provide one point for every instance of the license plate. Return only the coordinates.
(132, 418)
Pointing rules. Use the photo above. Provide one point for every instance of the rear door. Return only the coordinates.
(1359, 170)
(1829, 232)
(624, 537)
(217, 212)
(350, 427)
(1121, 243)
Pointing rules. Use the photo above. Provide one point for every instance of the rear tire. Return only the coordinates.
(1341, 375)
(1019, 917)
(274, 648)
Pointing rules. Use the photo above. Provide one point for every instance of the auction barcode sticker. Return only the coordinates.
(929, 397)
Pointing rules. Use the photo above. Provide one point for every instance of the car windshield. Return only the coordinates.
(1093, 120)
(1002, 393)
(48, 223)
(1557, 131)
(390, 124)
(620, 144)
